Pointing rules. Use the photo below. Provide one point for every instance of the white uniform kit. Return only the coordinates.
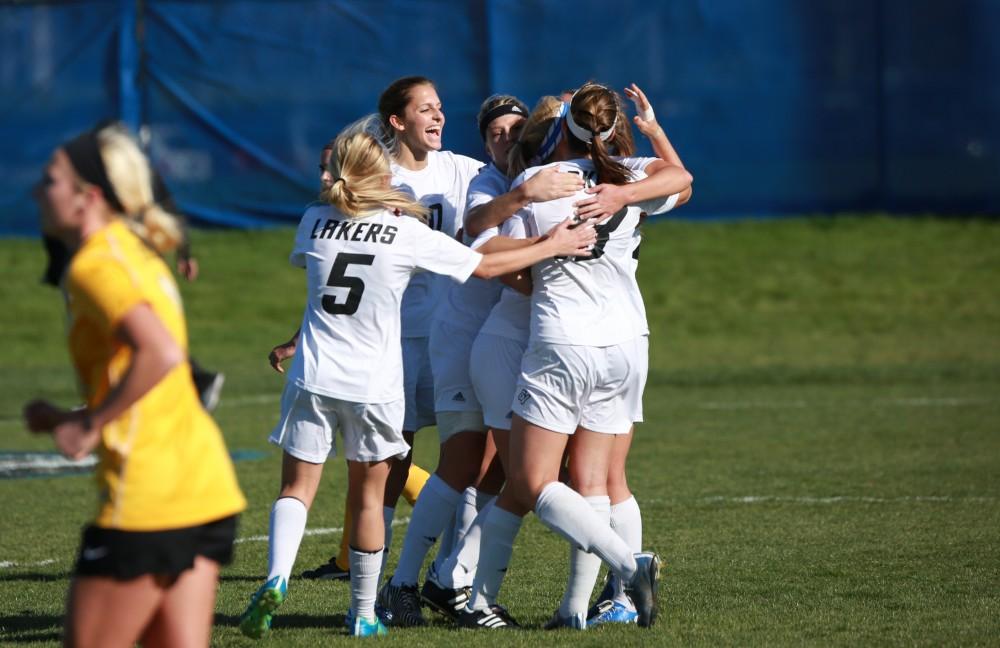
(583, 364)
(495, 361)
(348, 371)
(456, 323)
(441, 187)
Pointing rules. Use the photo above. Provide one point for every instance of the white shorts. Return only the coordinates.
(451, 423)
(418, 385)
(495, 365)
(309, 422)
(642, 372)
(562, 387)
(450, 347)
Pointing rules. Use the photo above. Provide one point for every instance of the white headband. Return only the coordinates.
(585, 135)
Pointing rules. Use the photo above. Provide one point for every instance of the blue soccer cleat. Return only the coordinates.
(611, 612)
(360, 627)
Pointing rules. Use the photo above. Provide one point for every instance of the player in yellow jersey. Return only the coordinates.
(149, 564)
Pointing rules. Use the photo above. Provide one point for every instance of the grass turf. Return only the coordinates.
(820, 463)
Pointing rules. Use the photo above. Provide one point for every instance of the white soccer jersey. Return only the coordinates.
(590, 301)
(467, 305)
(356, 273)
(441, 186)
(510, 317)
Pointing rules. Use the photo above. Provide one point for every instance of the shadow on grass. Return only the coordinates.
(236, 578)
(27, 627)
(37, 577)
(290, 621)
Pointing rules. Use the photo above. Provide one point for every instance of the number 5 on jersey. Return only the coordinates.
(339, 279)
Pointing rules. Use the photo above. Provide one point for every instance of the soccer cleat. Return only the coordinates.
(611, 612)
(209, 387)
(574, 621)
(359, 627)
(448, 602)
(494, 617)
(642, 589)
(401, 604)
(607, 594)
(256, 621)
(328, 571)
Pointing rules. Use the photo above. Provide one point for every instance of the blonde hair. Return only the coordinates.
(359, 163)
(129, 173)
(533, 133)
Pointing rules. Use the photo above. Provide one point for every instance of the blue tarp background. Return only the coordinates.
(776, 106)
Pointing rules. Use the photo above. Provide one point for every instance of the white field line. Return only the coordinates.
(8, 564)
(250, 399)
(897, 402)
(843, 499)
(312, 532)
(744, 405)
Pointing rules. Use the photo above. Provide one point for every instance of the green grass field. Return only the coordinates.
(820, 463)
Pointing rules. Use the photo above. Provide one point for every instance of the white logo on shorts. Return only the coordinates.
(94, 553)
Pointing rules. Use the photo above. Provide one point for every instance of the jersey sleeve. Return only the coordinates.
(484, 236)
(468, 168)
(483, 189)
(439, 253)
(655, 206)
(302, 235)
(104, 289)
(637, 163)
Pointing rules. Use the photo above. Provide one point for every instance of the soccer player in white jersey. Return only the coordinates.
(412, 114)
(499, 347)
(578, 377)
(359, 255)
(612, 604)
(450, 490)
(412, 117)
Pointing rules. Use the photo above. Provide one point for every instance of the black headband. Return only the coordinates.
(499, 111)
(85, 155)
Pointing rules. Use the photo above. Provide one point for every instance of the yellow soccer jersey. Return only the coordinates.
(163, 462)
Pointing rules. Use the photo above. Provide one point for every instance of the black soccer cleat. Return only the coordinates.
(401, 604)
(642, 589)
(448, 602)
(328, 571)
(495, 617)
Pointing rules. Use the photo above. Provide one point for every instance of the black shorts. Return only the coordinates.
(125, 555)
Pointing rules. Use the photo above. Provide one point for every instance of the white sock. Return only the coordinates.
(459, 570)
(584, 567)
(473, 501)
(566, 512)
(388, 512)
(626, 520)
(365, 568)
(434, 508)
(500, 528)
(288, 524)
(447, 544)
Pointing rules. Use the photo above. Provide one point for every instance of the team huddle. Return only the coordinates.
(498, 302)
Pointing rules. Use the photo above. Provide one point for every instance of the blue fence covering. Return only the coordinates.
(776, 106)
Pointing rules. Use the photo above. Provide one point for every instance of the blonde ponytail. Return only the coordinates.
(359, 163)
(129, 173)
